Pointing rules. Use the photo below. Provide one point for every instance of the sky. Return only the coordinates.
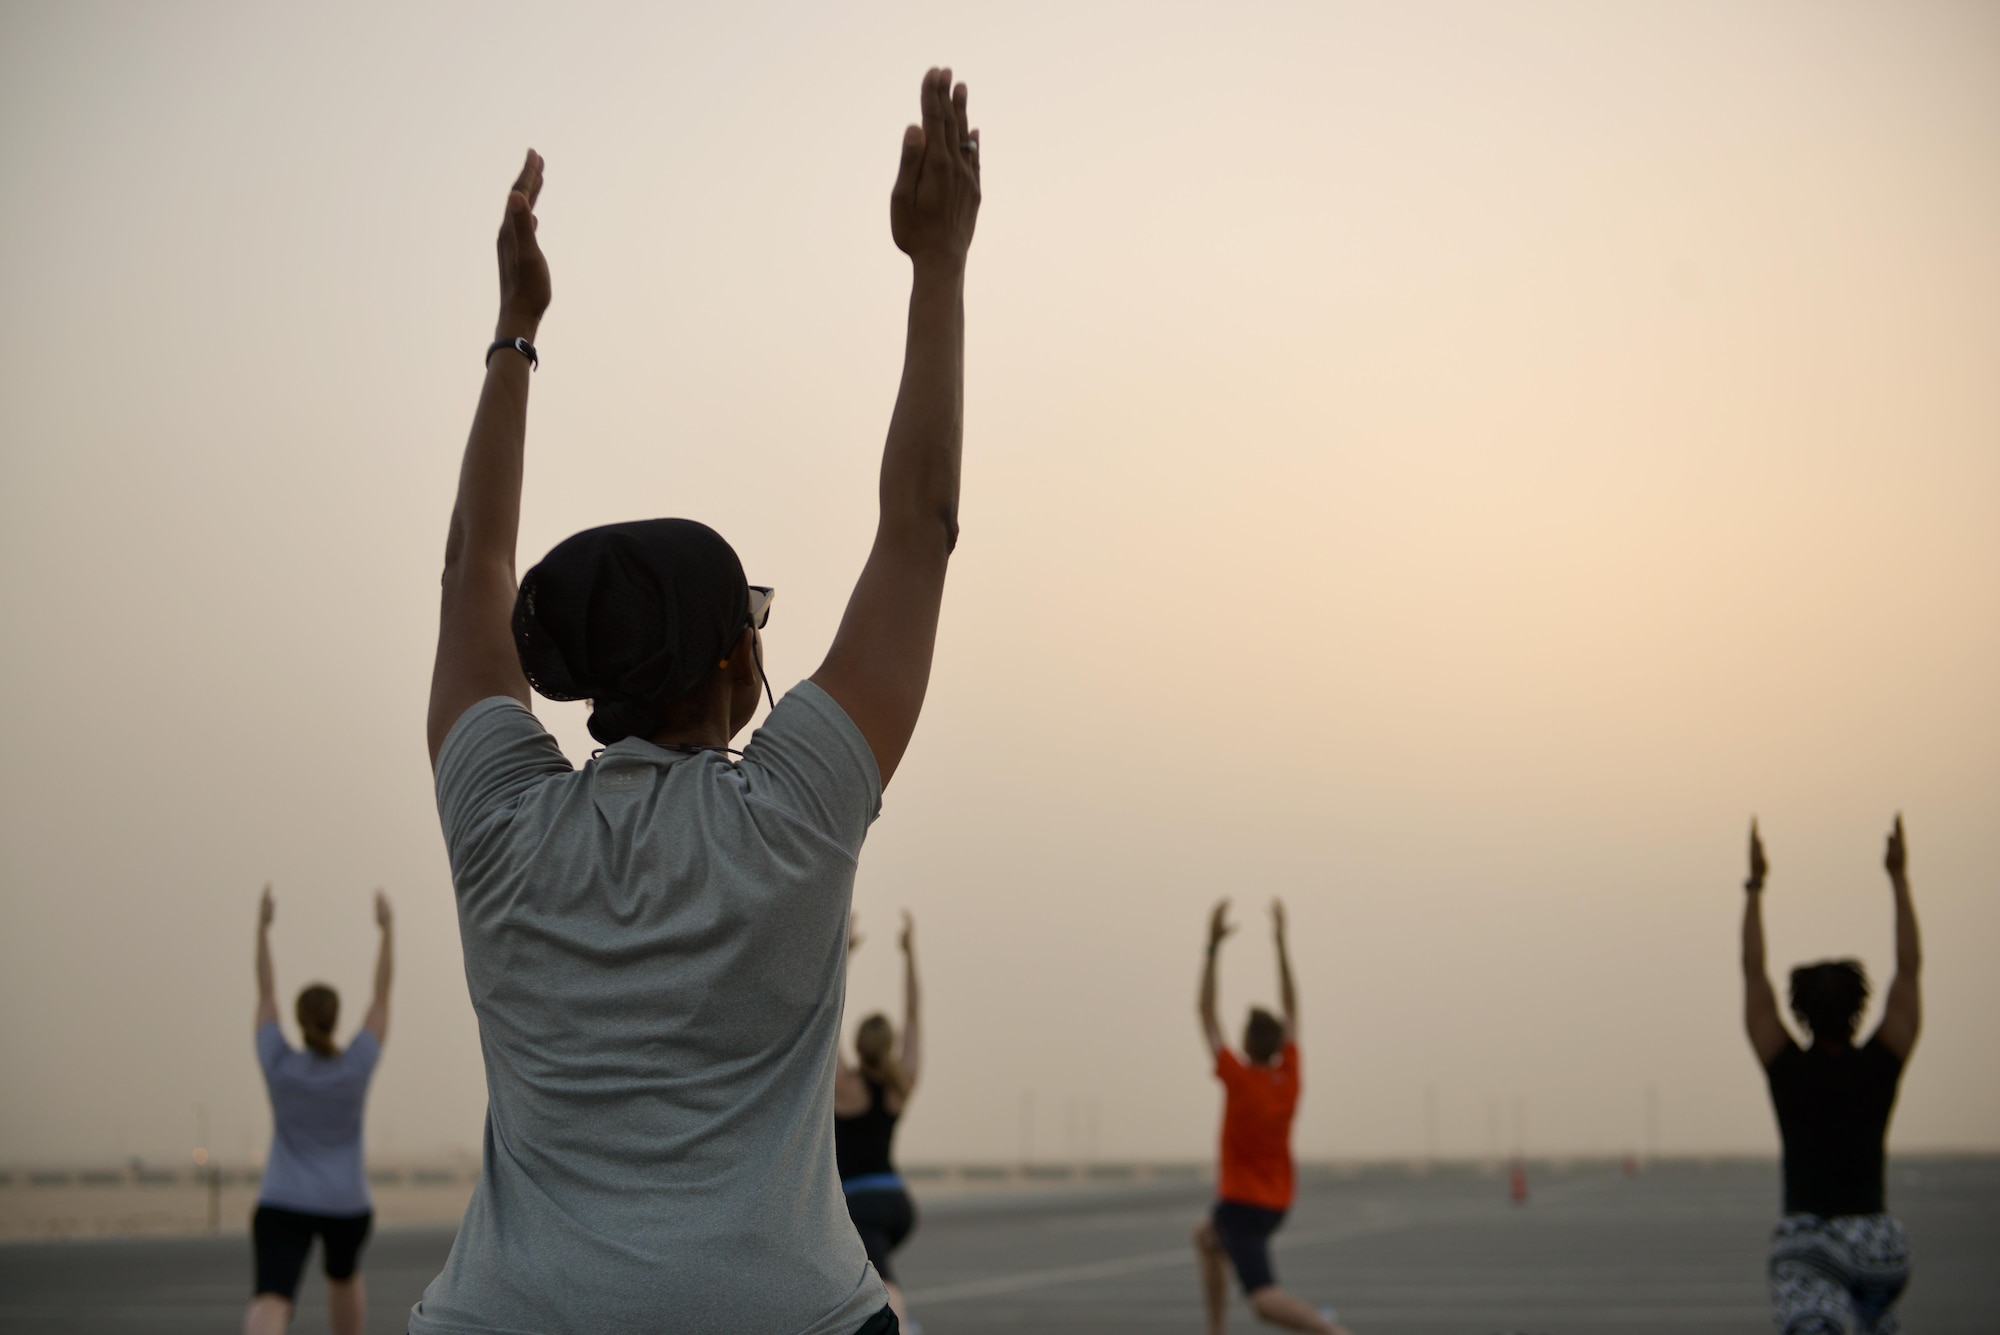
(1446, 464)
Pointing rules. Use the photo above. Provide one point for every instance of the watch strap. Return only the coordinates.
(520, 345)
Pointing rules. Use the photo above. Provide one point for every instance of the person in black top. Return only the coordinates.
(1839, 1260)
(868, 1098)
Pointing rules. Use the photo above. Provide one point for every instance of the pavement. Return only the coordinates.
(1678, 1248)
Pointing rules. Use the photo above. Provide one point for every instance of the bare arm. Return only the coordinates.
(879, 666)
(377, 1022)
(1768, 1035)
(841, 1069)
(1903, 1013)
(1288, 996)
(475, 650)
(1218, 929)
(267, 984)
(913, 1026)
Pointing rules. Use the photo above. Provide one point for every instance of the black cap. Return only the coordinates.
(630, 617)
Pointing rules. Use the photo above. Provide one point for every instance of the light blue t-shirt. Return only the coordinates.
(315, 1162)
(656, 948)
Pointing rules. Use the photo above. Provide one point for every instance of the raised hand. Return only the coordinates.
(1757, 864)
(267, 908)
(908, 939)
(382, 914)
(524, 270)
(1278, 917)
(1219, 925)
(936, 198)
(1895, 858)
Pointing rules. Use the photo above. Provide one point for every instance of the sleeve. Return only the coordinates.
(363, 1053)
(1288, 1060)
(813, 764)
(495, 753)
(271, 1045)
(1228, 1068)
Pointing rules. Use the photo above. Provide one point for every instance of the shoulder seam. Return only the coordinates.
(779, 811)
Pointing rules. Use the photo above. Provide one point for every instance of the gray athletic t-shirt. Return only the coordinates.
(656, 950)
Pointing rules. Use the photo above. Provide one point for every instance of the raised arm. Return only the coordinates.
(267, 984)
(843, 1072)
(1903, 1013)
(475, 649)
(913, 1021)
(880, 664)
(1288, 996)
(1218, 929)
(377, 1022)
(1768, 1035)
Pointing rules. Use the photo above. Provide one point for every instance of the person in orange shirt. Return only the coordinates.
(1255, 1181)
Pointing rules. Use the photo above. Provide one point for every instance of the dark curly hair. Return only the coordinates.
(1263, 1037)
(1828, 997)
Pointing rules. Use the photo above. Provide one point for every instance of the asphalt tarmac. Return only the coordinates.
(1678, 1248)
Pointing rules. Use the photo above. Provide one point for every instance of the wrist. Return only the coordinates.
(938, 267)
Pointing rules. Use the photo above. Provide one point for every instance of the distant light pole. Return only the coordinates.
(205, 1164)
(1027, 1128)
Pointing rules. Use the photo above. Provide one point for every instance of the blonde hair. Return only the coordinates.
(318, 1010)
(875, 1044)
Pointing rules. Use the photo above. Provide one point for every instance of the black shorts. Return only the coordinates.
(282, 1239)
(883, 1219)
(1245, 1233)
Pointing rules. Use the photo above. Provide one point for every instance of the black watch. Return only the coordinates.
(520, 345)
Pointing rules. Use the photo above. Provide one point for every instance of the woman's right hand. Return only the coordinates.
(1895, 858)
(524, 270)
(267, 908)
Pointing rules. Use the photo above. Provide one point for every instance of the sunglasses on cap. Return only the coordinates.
(760, 617)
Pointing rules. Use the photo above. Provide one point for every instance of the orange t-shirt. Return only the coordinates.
(1257, 1128)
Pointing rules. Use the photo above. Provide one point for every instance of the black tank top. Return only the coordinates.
(1833, 1112)
(861, 1142)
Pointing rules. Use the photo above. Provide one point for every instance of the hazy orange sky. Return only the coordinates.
(1448, 464)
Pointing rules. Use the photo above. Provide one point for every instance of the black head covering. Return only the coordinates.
(630, 617)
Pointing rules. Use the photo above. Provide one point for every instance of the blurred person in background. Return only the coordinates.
(654, 942)
(868, 1099)
(314, 1182)
(1255, 1181)
(1839, 1259)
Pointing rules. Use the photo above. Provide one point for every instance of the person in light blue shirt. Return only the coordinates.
(314, 1184)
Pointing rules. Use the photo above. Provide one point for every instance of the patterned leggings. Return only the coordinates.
(1839, 1275)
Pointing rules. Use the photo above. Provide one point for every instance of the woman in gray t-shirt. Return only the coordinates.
(315, 1185)
(655, 942)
